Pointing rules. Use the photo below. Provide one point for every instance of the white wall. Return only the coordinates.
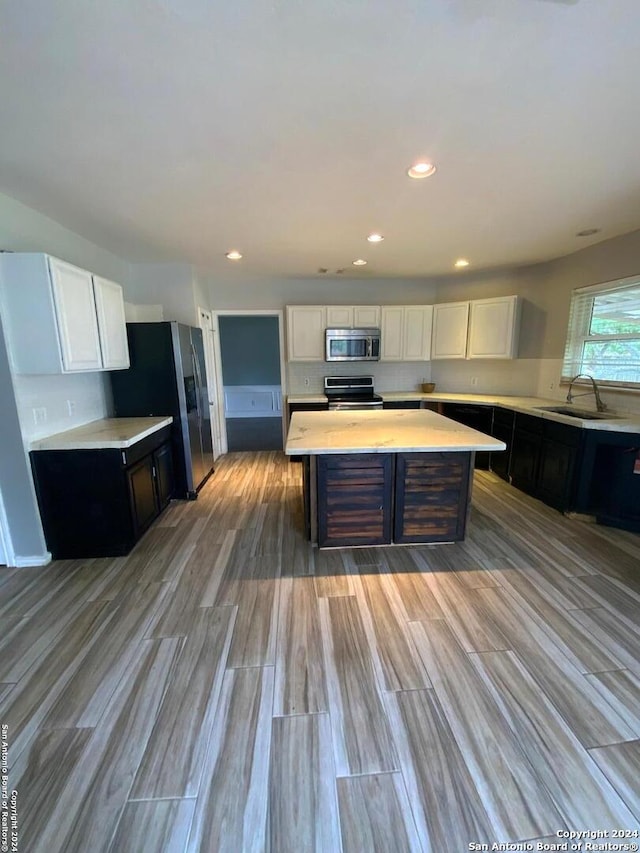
(238, 291)
(177, 287)
(26, 230)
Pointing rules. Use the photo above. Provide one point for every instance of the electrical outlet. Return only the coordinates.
(474, 380)
(306, 381)
(39, 415)
(71, 407)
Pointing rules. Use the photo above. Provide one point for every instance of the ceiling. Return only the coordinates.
(180, 129)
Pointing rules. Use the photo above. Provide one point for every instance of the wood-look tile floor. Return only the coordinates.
(226, 687)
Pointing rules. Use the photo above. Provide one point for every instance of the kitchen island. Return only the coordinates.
(385, 477)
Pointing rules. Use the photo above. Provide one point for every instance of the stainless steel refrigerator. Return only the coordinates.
(168, 377)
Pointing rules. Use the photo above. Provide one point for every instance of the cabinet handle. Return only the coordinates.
(153, 469)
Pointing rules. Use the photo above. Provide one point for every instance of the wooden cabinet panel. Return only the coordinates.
(353, 316)
(76, 315)
(525, 457)
(556, 473)
(493, 328)
(450, 323)
(111, 324)
(354, 499)
(418, 320)
(305, 332)
(142, 493)
(391, 332)
(431, 497)
(406, 332)
(163, 470)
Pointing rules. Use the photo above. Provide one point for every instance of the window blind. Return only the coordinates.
(603, 337)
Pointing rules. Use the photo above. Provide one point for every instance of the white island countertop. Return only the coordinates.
(382, 431)
(106, 433)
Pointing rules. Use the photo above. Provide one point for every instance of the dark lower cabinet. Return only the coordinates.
(354, 499)
(97, 503)
(502, 429)
(401, 404)
(474, 416)
(431, 497)
(545, 457)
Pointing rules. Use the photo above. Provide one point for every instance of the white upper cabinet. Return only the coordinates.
(353, 316)
(418, 321)
(111, 323)
(450, 326)
(493, 328)
(75, 310)
(54, 321)
(305, 332)
(406, 332)
(482, 328)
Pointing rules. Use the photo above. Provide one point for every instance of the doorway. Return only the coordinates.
(251, 377)
(216, 411)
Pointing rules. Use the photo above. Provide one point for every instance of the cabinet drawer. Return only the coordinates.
(137, 451)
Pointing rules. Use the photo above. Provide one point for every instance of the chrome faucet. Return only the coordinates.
(600, 406)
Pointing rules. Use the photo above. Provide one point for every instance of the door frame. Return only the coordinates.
(7, 554)
(210, 334)
(265, 312)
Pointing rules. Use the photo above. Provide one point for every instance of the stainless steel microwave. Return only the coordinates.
(352, 345)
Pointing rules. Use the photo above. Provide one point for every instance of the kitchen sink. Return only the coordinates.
(580, 414)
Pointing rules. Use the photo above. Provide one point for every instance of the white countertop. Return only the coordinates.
(103, 434)
(525, 405)
(391, 431)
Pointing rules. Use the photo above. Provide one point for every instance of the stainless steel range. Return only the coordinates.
(351, 392)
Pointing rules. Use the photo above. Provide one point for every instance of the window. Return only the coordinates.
(603, 338)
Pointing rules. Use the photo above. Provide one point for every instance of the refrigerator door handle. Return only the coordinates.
(196, 373)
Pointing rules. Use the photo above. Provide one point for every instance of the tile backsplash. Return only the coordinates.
(308, 377)
(520, 377)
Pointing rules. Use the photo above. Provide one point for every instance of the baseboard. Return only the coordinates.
(32, 560)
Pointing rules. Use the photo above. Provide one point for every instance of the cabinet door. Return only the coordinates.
(392, 320)
(142, 493)
(305, 332)
(354, 499)
(163, 473)
(501, 459)
(556, 473)
(366, 316)
(339, 316)
(112, 326)
(525, 456)
(76, 316)
(431, 497)
(450, 321)
(493, 328)
(417, 332)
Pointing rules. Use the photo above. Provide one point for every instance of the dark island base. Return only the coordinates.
(386, 498)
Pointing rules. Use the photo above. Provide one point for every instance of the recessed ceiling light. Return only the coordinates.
(461, 262)
(359, 262)
(421, 170)
(588, 232)
(375, 238)
(233, 255)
